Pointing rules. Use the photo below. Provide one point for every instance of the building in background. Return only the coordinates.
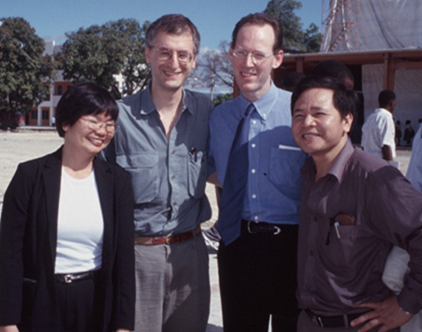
(44, 113)
(381, 43)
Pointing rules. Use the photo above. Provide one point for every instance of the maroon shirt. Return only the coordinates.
(349, 221)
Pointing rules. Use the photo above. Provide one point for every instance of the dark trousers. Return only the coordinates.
(79, 305)
(257, 279)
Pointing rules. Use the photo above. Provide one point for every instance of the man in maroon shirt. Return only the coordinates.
(354, 208)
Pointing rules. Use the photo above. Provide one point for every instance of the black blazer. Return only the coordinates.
(28, 238)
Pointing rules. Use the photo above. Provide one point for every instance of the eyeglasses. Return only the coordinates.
(96, 125)
(165, 54)
(257, 57)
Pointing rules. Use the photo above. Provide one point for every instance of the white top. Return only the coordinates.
(393, 277)
(414, 171)
(80, 225)
(379, 130)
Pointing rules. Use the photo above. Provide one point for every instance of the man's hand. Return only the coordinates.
(387, 313)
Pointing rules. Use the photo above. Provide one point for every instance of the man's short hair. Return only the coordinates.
(84, 99)
(260, 19)
(336, 69)
(173, 24)
(385, 98)
(346, 101)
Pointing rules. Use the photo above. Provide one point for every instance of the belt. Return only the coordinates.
(255, 227)
(333, 321)
(68, 278)
(169, 239)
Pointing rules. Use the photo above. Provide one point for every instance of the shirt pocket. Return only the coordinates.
(197, 168)
(143, 168)
(284, 170)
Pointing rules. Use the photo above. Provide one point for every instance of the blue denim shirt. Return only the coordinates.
(168, 175)
(274, 183)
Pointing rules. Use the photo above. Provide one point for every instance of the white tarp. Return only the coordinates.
(368, 25)
(408, 89)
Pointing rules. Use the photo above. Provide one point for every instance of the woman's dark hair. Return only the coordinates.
(260, 19)
(346, 101)
(84, 99)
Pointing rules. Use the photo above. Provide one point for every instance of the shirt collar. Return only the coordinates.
(383, 110)
(342, 159)
(148, 105)
(264, 104)
(339, 166)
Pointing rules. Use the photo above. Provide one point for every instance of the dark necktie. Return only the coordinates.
(235, 182)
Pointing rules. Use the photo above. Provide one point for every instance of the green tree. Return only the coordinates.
(97, 53)
(222, 98)
(313, 38)
(293, 35)
(25, 73)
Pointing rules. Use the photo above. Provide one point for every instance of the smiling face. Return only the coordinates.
(84, 141)
(253, 79)
(318, 127)
(170, 74)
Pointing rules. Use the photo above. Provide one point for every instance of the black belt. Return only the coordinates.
(68, 278)
(333, 321)
(260, 227)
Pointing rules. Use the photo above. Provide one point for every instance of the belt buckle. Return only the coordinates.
(68, 278)
(249, 227)
(168, 238)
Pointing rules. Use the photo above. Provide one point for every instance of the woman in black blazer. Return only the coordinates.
(66, 232)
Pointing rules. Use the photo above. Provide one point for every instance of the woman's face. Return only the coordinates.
(90, 134)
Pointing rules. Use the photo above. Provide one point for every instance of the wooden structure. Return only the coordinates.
(392, 60)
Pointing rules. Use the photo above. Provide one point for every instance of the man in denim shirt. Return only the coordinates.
(257, 255)
(162, 143)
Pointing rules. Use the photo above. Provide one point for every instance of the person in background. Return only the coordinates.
(378, 131)
(414, 170)
(409, 133)
(66, 258)
(335, 69)
(398, 132)
(344, 239)
(254, 158)
(290, 80)
(163, 143)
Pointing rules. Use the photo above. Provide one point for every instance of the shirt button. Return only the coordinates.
(264, 115)
(253, 170)
(253, 145)
(173, 177)
(256, 218)
(174, 203)
(253, 121)
(253, 196)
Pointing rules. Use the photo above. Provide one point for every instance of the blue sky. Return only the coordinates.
(215, 19)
